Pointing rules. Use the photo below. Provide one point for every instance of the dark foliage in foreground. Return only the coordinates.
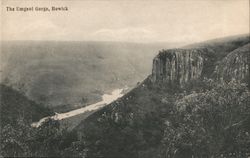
(214, 123)
(203, 123)
(18, 138)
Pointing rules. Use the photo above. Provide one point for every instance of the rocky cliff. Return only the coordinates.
(177, 66)
(218, 61)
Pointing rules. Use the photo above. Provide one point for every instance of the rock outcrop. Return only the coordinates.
(235, 65)
(177, 66)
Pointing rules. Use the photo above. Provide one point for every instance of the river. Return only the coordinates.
(106, 99)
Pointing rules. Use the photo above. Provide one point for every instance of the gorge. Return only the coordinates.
(194, 104)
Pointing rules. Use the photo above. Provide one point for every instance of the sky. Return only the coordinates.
(131, 21)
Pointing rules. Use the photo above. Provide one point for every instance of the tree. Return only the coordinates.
(16, 139)
(211, 123)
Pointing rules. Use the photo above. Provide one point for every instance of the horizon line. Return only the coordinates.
(117, 41)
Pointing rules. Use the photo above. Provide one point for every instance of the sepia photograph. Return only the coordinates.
(125, 78)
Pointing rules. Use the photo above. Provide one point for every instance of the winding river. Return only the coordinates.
(106, 99)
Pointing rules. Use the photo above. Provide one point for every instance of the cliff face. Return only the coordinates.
(235, 65)
(177, 66)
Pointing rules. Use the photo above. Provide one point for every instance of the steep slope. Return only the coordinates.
(217, 49)
(137, 124)
(14, 105)
(18, 138)
(128, 126)
(235, 65)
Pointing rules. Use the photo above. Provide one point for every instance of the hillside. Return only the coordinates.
(66, 75)
(14, 106)
(18, 138)
(217, 49)
(235, 65)
(183, 109)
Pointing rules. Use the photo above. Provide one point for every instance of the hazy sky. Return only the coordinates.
(134, 21)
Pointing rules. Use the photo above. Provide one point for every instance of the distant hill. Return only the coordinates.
(65, 75)
(14, 105)
(183, 108)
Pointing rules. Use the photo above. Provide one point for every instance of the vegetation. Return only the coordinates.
(214, 123)
(18, 138)
(202, 123)
(22, 140)
(15, 105)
